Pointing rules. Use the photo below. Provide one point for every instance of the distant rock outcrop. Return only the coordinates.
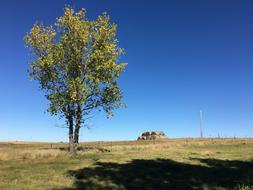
(152, 135)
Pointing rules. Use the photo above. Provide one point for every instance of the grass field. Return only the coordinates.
(173, 164)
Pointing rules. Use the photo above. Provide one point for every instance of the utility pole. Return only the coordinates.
(201, 132)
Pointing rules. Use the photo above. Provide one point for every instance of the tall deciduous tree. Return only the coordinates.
(76, 64)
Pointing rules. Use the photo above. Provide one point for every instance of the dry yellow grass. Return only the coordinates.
(26, 165)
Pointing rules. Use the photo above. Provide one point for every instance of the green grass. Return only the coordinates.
(173, 164)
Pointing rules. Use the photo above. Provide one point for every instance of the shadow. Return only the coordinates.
(79, 148)
(164, 174)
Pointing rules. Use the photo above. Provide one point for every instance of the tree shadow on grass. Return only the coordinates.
(164, 174)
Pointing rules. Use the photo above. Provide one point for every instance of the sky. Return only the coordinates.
(183, 57)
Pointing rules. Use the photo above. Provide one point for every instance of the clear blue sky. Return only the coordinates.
(183, 56)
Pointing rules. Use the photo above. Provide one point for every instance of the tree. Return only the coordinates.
(76, 64)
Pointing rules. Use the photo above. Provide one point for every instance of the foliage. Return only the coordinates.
(76, 64)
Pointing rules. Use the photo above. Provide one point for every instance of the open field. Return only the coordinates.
(173, 164)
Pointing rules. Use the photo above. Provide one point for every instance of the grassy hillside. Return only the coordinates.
(173, 164)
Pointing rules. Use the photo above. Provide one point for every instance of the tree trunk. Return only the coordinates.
(78, 124)
(71, 140)
(70, 121)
